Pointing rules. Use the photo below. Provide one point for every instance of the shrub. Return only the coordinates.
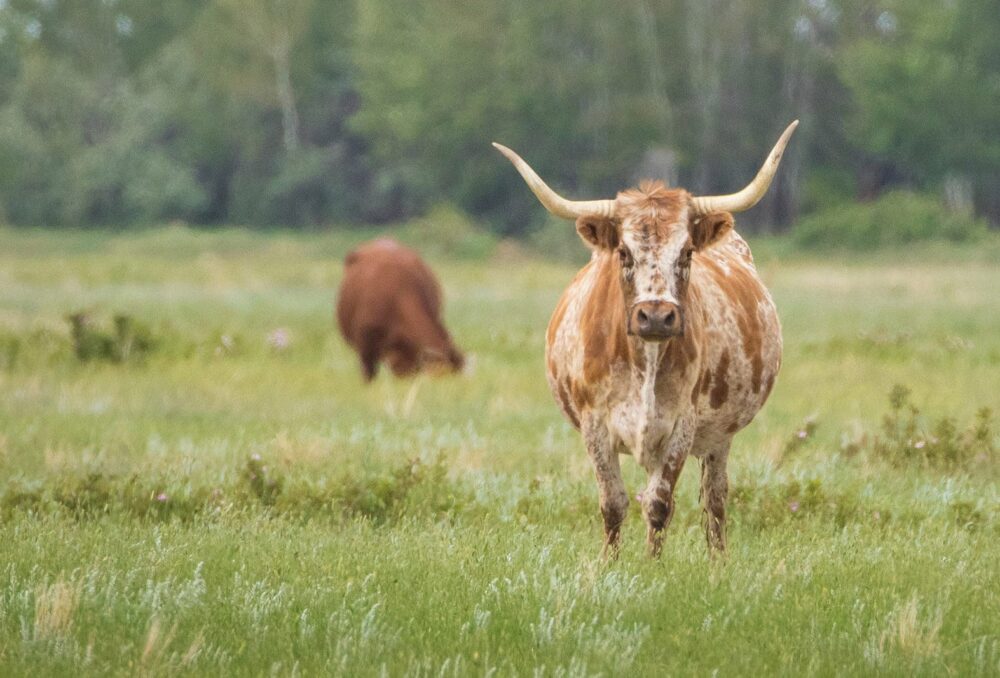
(130, 339)
(263, 483)
(760, 507)
(447, 231)
(897, 218)
(907, 437)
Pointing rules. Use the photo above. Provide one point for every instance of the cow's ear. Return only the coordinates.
(598, 232)
(708, 229)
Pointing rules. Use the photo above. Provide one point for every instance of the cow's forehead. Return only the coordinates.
(653, 216)
(663, 234)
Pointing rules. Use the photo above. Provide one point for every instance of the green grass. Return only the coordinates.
(221, 506)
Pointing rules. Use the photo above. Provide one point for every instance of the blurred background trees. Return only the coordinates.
(312, 112)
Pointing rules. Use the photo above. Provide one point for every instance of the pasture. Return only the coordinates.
(220, 493)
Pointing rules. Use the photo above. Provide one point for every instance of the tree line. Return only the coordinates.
(306, 113)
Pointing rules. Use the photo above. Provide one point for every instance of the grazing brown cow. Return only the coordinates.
(390, 308)
(664, 345)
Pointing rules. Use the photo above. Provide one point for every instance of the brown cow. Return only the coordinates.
(389, 308)
(664, 345)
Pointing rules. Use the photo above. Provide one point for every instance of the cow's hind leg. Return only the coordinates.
(613, 497)
(714, 491)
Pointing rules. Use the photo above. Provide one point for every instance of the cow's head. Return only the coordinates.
(653, 232)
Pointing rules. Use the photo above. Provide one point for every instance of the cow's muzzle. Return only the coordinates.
(655, 320)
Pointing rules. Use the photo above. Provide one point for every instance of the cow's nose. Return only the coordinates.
(655, 320)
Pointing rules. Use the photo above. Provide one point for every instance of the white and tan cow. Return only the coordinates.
(666, 344)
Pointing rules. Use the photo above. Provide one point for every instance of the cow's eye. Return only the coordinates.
(625, 257)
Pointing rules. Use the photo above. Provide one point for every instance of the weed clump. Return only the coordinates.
(263, 483)
(128, 340)
(907, 437)
(388, 495)
(799, 439)
(768, 506)
(413, 488)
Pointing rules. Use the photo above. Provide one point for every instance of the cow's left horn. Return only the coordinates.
(755, 190)
(553, 202)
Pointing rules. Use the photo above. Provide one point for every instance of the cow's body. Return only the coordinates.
(707, 384)
(666, 344)
(389, 307)
(725, 364)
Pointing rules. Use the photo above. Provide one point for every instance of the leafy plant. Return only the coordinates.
(908, 437)
(129, 340)
(262, 481)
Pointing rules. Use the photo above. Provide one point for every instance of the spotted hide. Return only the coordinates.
(664, 346)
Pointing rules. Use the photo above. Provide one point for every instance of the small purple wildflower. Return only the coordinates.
(802, 434)
(162, 496)
(793, 506)
(279, 339)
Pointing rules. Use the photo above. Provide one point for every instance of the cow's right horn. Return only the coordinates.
(754, 191)
(553, 202)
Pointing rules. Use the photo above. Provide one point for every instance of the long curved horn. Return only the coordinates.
(754, 191)
(553, 202)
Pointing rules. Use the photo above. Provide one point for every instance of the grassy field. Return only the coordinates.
(233, 499)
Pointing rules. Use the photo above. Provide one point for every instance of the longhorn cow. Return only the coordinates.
(665, 345)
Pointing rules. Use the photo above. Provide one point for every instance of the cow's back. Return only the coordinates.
(379, 277)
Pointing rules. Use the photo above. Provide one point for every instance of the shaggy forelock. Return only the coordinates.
(652, 207)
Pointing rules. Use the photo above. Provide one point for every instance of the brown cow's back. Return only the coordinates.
(389, 307)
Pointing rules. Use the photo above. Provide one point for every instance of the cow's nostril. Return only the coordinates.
(642, 317)
(669, 319)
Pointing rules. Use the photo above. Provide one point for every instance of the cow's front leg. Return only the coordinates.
(658, 497)
(613, 497)
(714, 491)
(658, 501)
(370, 346)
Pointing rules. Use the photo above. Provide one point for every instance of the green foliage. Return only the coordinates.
(800, 438)
(129, 341)
(898, 218)
(447, 232)
(925, 88)
(263, 483)
(388, 496)
(768, 507)
(304, 113)
(909, 438)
